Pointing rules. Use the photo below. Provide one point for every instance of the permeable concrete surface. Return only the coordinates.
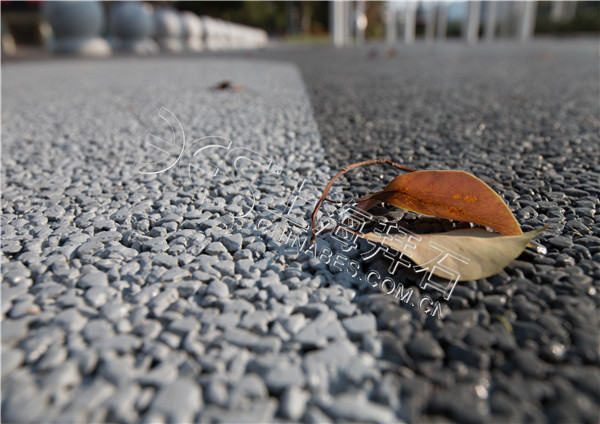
(155, 260)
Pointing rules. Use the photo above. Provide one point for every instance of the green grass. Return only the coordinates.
(308, 38)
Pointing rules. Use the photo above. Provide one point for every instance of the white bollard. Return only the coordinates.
(169, 30)
(76, 27)
(208, 32)
(132, 25)
(193, 32)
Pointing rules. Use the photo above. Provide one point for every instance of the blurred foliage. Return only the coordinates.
(276, 17)
(376, 25)
(586, 19)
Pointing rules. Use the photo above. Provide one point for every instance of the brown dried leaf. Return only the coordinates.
(455, 195)
(228, 85)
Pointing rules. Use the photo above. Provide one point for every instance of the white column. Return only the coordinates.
(360, 22)
(490, 21)
(337, 22)
(471, 25)
(348, 22)
(430, 22)
(410, 20)
(391, 23)
(442, 21)
(563, 10)
(528, 20)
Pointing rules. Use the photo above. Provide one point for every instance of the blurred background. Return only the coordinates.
(34, 28)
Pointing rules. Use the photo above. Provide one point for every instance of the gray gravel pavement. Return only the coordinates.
(130, 297)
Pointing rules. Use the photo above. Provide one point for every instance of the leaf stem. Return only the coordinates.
(339, 174)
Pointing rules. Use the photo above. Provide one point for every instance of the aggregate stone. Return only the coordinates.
(156, 244)
(121, 343)
(106, 236)
(315, 416)
(92, 279)
(257, 321)
(479, 337)
(244, 338)
(425, 347)
(14, 272)
(120, 404)
(174, 274)
(171, 340)
(259, 411)
(278, 331)
(471, 357)
(159, 304)
(461, 404)
(293, 403)
(226, 268)
(356, 407)
(528, 362)
(359, 325)
(157, 232)
(11, 247)
(21, 309)
(218, 289)
(232, 242)
(277, 290)
(39, 341)
(319, 331)
(216, 393)
(295, 298)
(64, 375)
(89, 248)
(97, 330)
(312, 310)
(283, 374)
(357, 370)
(249, 387)
(27, 407)
(258, 247)
(159, 376)
(54, 356)
(117, 370)
(238, 306)
(225, 320)
(92, 395)
(293, 323)
(114, 310)
(560, 242)
(11, 359)
(165, 260)
(97, 296)
(215, 248)
(184, 326)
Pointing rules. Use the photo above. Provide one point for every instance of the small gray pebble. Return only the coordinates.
(232, 242)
